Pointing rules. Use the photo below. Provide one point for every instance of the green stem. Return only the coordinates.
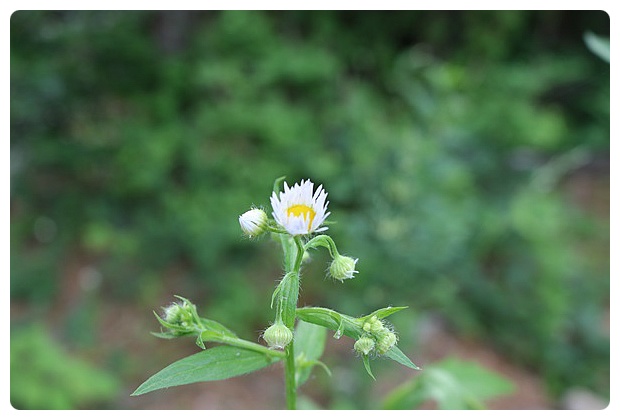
(290, 296)
(289, 372)
(244, 344)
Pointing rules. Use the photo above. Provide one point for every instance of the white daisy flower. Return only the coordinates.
(299, 210)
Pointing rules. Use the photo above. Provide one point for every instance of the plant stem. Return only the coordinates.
(289, 372)
(244, 344)
(291, 295)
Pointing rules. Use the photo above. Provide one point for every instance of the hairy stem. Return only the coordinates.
(290, 295)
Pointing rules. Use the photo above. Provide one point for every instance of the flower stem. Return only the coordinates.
(289, 372)
(290, 295)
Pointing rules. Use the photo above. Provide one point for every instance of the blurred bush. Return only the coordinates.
(446, 142)
(452, 384)
(44, 376)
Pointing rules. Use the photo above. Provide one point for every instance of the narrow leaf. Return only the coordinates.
(288, 298)
(397, 355)
(385, 312)
(332, 320)
(277, 184)
(214, 364)
(367, 366)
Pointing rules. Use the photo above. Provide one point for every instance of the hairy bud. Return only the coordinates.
(278, 336)
(364, 345)
(253, 222)
(342, 267)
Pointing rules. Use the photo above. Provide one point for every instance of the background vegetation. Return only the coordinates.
(466, 156)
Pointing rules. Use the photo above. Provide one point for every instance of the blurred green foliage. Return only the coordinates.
(445, 140)
(452, 384)
(44, 376)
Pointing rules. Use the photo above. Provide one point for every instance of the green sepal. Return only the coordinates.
(178, 330)
(367, 366)
(166, 335)
(199, 342)
(277, 184)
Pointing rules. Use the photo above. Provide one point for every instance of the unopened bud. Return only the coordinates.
(364, 345)
(278, 336)
(180, 318)
(386, 342)
(373, 325)
(253, 222)
(342, 267)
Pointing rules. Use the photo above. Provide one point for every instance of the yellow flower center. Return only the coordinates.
(302, 210)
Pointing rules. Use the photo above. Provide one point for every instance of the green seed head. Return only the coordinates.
(364, 345)
(278, 336)
(342, 267)
(386, 341)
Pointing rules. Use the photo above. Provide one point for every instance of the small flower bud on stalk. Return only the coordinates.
(342, 267)
(364, 345)
(278, 336)
(253, 222)
(373, 326)
(180, 319)
(386, 341)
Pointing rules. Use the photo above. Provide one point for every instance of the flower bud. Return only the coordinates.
(180, 318)
(364, 345)
(373, 326)
(342, 267)
(253, 222)
(278, 336)
(385, 342)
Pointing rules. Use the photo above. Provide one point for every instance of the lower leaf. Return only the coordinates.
(214, 364)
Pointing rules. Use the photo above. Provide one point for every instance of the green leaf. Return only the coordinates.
(214, 364)
(454, 384)
(397, 355)
(367, 366)
(215, 326)
(309, 346)
(385, 312)
(289, 287)
(478, 381)
(332, 320)
(277, 184)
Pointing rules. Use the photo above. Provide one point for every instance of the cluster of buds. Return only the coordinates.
(180, 318)
(377, 337)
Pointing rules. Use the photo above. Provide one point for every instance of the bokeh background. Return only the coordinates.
(466, 157)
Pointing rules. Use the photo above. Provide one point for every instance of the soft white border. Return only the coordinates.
(8, 7)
